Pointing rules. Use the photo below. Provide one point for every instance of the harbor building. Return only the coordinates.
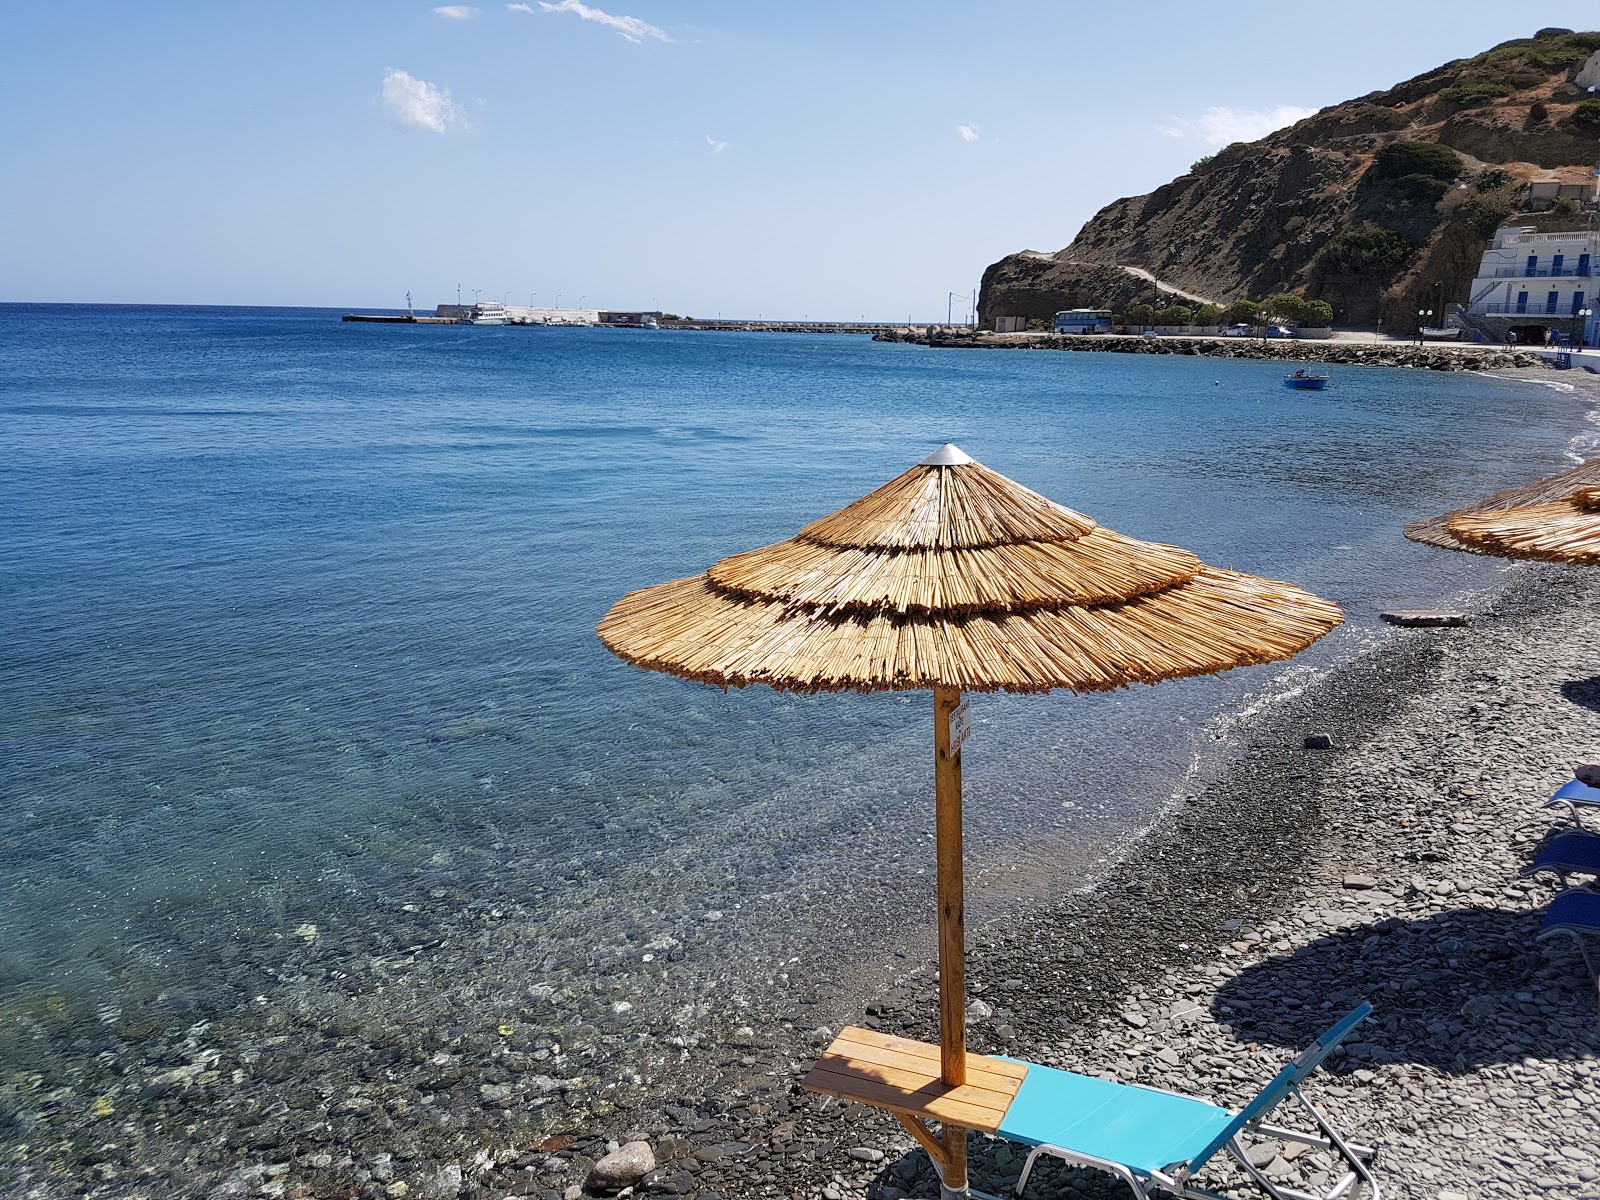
(1530, 281)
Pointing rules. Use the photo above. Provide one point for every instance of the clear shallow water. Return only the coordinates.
(299, 630)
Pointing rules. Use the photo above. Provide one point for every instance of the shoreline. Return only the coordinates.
(1434, 356)
(1251, 844)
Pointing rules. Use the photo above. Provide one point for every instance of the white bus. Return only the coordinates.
(1084, 320)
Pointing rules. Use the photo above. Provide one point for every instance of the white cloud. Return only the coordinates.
(716, 146)
(631, 28)
(456, 12)
(417, 104)
(1220, 126)
(969, 131)
(527, 8)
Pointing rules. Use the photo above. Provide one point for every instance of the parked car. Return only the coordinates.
(1282, 331)
(1236, 331)
(1150, 333)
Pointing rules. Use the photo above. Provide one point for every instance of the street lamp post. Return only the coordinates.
(1422, 317)
(1580, 318)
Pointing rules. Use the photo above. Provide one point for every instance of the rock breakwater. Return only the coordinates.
(1378, 354)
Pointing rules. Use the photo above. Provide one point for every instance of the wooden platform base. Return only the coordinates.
(903, 1076)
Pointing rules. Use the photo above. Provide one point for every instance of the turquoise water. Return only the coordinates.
(299, 628)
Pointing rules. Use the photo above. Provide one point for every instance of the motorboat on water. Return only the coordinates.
(490, 314)
(1307, 380)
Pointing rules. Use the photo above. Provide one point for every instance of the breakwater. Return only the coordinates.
(1393, 354)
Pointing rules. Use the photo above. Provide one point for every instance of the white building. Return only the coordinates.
(1538, 279)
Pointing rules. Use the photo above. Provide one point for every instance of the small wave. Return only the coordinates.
(1549, 383)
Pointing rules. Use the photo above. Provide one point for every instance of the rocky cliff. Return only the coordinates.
(1373, 205)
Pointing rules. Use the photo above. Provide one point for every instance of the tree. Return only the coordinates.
(1175, 315)
(1207, 314)
(1141, 314)
(1317, 314)
(1242, 312)
(1284, 307)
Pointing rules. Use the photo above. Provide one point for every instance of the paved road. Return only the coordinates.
(1141, 273)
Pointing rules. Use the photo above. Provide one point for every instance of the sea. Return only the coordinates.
(299, 676)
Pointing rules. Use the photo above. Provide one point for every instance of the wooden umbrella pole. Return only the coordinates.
(952, 927)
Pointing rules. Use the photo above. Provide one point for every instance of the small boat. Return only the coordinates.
(1305, 379)
(490, 314)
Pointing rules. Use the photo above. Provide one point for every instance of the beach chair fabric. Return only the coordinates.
(1140, 1127)
(1577, 914)
(1575, 796)
(1575, 851)
(1155, 1140)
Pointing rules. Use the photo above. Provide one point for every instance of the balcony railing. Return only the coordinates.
(1532, 310)
(1526, 239)
(1544, 273)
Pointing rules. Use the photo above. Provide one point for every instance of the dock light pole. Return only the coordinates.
(1422, 315)
(1580, 318)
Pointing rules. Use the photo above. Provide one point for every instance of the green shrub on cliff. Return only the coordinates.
(1364, 250)
(1587, 114)
(1400, 160)
(1474, 95)
(1424, 189)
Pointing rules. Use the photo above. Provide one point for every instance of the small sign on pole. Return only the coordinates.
(960, 726)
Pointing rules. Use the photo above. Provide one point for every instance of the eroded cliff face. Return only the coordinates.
(1340, 206)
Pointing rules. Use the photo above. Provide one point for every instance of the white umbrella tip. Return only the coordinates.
(947, 455)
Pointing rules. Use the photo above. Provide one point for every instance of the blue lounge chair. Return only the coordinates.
(1157, 1141)
(1574, 797)
(1576, 913)
(1574, 851)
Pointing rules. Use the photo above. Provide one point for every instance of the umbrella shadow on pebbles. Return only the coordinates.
(1585, 693)
(1455, 991)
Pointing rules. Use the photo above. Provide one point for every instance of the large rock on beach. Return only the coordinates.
(623, 1167)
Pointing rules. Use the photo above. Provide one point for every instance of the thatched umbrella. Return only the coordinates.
(953, 578)
(1566, 530)
(1437, 531)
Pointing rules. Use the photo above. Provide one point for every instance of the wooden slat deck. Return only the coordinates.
(903, 1076)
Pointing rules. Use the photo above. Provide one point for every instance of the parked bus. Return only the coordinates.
(1084, 320)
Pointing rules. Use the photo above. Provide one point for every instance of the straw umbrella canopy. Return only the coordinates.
(1566, 530)
(1439, 531)
(953, 578)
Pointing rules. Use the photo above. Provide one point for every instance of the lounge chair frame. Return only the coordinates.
(1176, 1179)
(1580, 931)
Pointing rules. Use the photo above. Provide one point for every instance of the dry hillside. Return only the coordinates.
(1368, 204)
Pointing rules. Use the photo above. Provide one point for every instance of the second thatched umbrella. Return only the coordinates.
(1439, 531)
(953, 578)
(1566, 530)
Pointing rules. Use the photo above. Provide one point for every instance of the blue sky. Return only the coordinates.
(823, 160)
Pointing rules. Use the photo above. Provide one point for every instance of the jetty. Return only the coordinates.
(399, 319)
